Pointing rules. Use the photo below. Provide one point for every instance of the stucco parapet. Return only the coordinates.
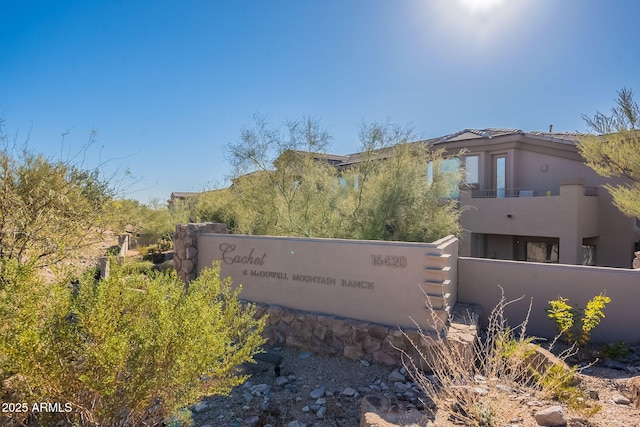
(571, 181)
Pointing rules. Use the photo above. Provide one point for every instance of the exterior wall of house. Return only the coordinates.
(617, 234)
(479, 281)
(499, 246)
(544, 170)
(578, 209)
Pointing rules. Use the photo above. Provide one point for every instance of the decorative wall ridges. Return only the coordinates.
(438, 283)
(438, 259)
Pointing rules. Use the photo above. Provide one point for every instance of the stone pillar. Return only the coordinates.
(636, 260)
(185, 242)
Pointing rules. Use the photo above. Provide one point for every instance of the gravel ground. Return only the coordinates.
(313, 390)
(321, 391)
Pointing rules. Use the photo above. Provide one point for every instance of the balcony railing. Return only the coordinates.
(591, 191)
(499, 193)
(493, 193)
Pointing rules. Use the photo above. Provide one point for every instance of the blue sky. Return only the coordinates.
(167, 84)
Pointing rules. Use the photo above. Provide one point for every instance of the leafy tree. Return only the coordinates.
(160, 221)
(127, 214)
(294, 187)
(215, 206)
(395, 197)
(614, 151)
(49, 210)
(277, 195)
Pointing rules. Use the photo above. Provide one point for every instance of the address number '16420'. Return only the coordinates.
(389, 261)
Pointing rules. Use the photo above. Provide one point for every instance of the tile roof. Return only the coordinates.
(469, 134)
(332, 158)
(463, 135)
(562, 137)
(466, 134)
(183, 194)
(472, 134)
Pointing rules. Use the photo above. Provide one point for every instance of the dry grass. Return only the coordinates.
(471, 384)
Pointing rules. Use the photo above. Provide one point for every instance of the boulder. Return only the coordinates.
(552, 416)
(541, 360)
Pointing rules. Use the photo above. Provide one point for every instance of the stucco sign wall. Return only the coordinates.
(373, 281)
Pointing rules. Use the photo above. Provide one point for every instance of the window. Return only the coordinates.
(500, 175)
(542, 252)
(471, 164)
(445, 173)
(346, 183)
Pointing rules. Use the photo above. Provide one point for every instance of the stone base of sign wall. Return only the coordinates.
(185, 240)
(360, 340)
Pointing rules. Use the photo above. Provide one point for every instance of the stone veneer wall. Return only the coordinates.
(185, 240)
(356, 339)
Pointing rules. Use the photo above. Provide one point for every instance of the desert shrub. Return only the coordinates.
(130, 349)
(152, 253)
(216, 206)
(566, 318)
(31, 310)
(458, 385)
(616, 350)
(135, 266)
(467, 382)
(152, 223)
(113, 250)
(559, 383)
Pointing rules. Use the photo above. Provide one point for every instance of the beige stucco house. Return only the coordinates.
(530, 197)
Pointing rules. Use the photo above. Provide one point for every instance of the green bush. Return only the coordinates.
(130, 349)
(614, 351)
(565, 316)
(135, 266)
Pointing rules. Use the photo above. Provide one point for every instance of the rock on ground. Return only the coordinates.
(552, 416)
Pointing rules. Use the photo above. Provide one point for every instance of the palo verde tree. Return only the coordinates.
(614, 150)
(279, 188)
(286, 184)
(49, 210)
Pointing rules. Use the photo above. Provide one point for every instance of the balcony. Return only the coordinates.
(570, 213)
(525, 192)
